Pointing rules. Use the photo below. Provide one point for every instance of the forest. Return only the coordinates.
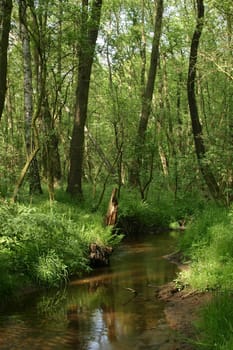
(133, 95)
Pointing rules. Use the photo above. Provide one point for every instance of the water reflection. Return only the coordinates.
(113, 308)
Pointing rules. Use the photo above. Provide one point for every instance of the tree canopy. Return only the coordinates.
(69, 57)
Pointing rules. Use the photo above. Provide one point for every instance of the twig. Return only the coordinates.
(132, 290)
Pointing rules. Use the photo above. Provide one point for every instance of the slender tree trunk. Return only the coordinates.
(5, 21)
(89, 33)
(134, 177)
(196, 125)
(51, 157)
(50, 154)
(117, 122)
(34, 176)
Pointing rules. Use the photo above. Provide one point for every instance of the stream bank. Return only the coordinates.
(182, 308)
(98, 311)
(114, 307)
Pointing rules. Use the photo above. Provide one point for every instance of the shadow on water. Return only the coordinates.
(112, 308)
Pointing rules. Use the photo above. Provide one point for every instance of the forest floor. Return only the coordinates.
(181, 310)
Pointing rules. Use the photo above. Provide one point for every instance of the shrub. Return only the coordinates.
(45, 244)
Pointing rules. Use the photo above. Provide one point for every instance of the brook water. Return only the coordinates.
(114, 308)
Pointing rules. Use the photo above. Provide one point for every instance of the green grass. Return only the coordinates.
(44, 243)
(216, 325)
(209, 244)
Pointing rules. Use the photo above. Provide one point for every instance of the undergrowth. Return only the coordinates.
(208, 244)
(161, 210)
(44, 244)
(216, 324)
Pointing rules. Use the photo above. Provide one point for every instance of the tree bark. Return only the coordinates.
(34, 176)
(196, 125)
(89, 33)
(50, 153)
(147, 95)
(5, 21)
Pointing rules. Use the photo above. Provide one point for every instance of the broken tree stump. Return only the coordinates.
(111, 216)
(99, 256)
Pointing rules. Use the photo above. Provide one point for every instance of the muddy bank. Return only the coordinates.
(182, 307)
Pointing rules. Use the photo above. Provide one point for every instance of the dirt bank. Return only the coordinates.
(181, 310)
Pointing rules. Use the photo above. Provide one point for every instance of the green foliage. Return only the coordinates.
(46, 243)
(161, 210)
(216, 325)
(7, 280)
(208, 242)
(144, 212)
(50, 270)
(198, 232)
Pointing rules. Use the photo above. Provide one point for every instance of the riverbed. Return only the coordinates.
(115, 307)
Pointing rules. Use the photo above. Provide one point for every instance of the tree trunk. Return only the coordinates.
(134, 177)
(51, 157)
(89, 33)
(196, 125)
(34, 176)
(5, 21)
(50, 153)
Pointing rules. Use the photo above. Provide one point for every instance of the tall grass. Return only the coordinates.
(209, 244)
(216, 324)
(43, 244)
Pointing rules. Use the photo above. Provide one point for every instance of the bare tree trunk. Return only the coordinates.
(117, 122)
(51, 157)
(34, 176)
(5, 21)
(196, 125)
(89, 33)
(50, 153)
(134, 177)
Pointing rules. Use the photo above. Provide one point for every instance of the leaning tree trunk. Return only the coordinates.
(5, 21)
(23, 174)
(89, 33)
(134, 177)
(196, 125)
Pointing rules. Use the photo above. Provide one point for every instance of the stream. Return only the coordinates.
(113, 308)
